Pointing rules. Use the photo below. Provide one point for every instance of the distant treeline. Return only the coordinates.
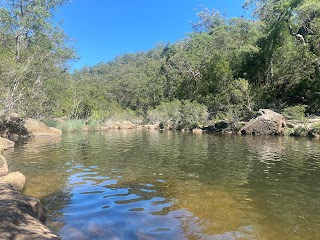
(224, 69)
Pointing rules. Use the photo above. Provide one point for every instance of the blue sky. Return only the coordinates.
(104, 29)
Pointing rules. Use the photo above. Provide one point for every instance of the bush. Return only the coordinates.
(115, 113)
(295, 112)
(315, 128)
(300, 131)
(179, 115)
(71, 125)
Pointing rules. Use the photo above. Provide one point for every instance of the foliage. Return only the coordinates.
(71, 125)
(34, 55)
(179, 115)
(295, 112)
(227, 67)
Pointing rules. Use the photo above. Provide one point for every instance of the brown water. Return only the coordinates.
(170, 185)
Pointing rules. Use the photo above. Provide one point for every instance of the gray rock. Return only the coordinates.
(267, 122)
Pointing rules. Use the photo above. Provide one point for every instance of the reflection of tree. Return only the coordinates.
(282, 186)
(204, 185)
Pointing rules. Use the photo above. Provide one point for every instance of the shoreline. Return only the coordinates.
(21, 216)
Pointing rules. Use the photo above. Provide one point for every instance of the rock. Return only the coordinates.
(3, 166)
(197, 130)
(21, 217)
(57, 131)
(16, 180)
(36, 128)
(59, 120)
(267, 122)
(151, 127)
(122, 125)
(5, 143)
(12, 125)
(125, 125)
(217, 127)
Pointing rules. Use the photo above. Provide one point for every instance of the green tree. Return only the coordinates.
(34, 53)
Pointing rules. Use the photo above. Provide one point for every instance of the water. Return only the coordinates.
(140, 184)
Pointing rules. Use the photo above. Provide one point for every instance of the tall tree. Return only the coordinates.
(34, 51)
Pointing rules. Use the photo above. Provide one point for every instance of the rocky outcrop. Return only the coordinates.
(36, 128)
(122, 125)
(151, 127)
(21, 217)
(267, 122)
(13, 126)
(5, 143)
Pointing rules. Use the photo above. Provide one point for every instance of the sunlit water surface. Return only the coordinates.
(168, 185)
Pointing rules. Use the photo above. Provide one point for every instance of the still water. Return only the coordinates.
(169, 185)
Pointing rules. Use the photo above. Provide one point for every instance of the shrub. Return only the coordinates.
(179, 115)
(295, 112)
(71, 125)
(115, 113)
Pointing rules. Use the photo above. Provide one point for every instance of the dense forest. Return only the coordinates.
(224, 69)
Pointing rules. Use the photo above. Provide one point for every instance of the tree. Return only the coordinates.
(287, 64)
(34, 51)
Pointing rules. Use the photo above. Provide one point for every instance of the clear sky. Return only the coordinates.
(104, 29)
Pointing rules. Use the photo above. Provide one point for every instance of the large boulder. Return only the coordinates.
(15, 180)
(21, 217)
(5, 143)
(267, 122)
(36, 128)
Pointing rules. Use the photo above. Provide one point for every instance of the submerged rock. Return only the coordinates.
(267, 122)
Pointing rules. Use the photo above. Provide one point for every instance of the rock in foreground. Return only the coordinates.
(267, 122)
(15, 180)
(3, 166)
(21, 217)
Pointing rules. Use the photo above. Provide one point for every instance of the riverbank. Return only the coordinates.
(265, 122)
(21, 217)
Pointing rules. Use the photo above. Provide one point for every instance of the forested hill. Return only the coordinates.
(229, 67)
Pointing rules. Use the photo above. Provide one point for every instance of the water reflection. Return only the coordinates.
(170, 185)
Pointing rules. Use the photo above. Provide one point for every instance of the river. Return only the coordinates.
(140, 184)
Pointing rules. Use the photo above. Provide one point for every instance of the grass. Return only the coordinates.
(71, 125)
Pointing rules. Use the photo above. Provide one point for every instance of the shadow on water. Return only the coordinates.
(170, 185)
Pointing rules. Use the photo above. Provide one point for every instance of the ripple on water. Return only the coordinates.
(168, 185)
